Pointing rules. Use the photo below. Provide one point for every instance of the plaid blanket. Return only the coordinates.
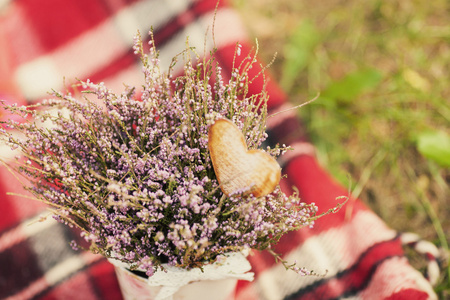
(42, 42)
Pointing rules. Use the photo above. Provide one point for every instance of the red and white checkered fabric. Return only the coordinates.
(43, 42)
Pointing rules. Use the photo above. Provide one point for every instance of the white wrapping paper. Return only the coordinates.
(174, 281)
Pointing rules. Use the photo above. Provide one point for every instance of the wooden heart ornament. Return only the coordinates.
(238, 168)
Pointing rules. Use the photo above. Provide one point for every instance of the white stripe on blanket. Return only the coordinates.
(96, 48)
(25, 230)
(390, 275)
(333, 250)
(101, 45)
(228, 30)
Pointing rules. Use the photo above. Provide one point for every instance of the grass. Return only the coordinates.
(382, 68)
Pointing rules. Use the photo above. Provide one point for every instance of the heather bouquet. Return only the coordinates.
(133, 170)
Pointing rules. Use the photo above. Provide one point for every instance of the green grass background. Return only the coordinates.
(381, 124)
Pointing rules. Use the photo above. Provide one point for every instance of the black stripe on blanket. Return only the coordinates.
(28, 256)
(355, 278)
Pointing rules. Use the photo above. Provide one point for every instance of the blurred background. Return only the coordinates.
(382, 123)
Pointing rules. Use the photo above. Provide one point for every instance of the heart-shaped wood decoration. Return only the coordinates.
(237, 168)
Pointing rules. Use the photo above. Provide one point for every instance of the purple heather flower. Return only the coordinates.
(136, 176)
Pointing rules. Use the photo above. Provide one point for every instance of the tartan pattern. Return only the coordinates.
(45, 41)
